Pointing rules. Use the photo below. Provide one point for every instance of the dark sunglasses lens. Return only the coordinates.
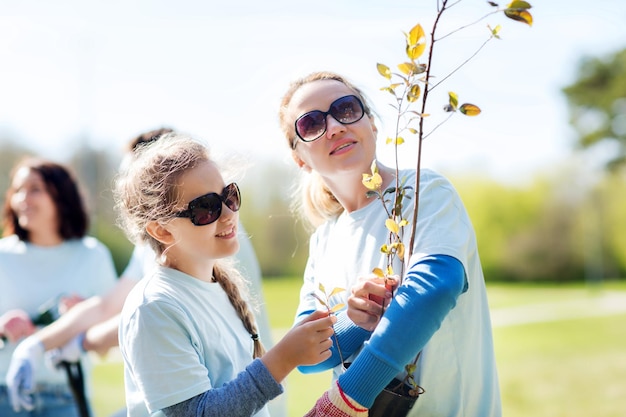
(311, 125)
(206, 210)
(232, 197)
(346, 110)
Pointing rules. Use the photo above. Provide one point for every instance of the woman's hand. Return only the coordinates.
(16, 324)
(368, 299)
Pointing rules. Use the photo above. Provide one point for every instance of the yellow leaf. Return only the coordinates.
(469, 109)
(519, 4)
(403, 222)
(415, 34)
(336, 291)
(453, 100)
(378, 272)
(388, 89)
(337, 307)
(413, 52)
(392, 226)
(397, 141)
(321, 288)
(384, 70)
(400, 250)
(384, 249)
(405, 68)
(372, 182)
(520, 15)
(414, 93)
(389, 270)
(374, 167)
(495, 31)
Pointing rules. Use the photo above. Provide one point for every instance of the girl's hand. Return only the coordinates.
(16, 324)
(368, 299)
(307, 343)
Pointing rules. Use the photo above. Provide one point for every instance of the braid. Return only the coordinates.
(229, 283)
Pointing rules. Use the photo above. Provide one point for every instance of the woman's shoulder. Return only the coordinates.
(9, 243)
(88, 245)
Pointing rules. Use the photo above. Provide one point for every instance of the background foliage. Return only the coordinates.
(562, 225)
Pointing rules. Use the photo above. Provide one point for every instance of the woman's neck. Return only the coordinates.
(350, 191)
(44, 239)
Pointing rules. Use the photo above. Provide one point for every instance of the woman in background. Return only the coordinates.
(46, 263)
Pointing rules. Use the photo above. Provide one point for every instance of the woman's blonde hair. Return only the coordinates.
(147, 190)
(313, 201)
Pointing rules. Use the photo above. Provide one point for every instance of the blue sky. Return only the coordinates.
(108, 70)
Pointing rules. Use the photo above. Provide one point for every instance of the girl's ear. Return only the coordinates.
(160, 233)
(299, 161)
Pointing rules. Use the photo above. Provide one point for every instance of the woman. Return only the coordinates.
(46, 263)
(440, 308)
(190, 342)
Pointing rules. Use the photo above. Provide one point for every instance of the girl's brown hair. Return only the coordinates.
(146, 190)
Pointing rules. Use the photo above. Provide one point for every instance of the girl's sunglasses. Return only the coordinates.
(207, 208)
(312, 125)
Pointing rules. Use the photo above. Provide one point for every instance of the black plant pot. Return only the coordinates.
(390, 403)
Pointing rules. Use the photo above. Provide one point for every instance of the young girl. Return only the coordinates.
(189, 341)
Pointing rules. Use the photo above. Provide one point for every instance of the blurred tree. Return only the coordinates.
(280, 241)
(597, 103)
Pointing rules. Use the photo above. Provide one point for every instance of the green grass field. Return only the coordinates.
(564, 362)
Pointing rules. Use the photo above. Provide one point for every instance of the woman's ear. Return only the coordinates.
(299, 161)
(372, 122)
(160, 233)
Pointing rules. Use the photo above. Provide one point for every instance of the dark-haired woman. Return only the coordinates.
(46, 263)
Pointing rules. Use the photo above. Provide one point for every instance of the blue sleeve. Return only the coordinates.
(428, 292)
(255, 384)
(349, 336)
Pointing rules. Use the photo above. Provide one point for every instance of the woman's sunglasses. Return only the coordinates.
(312, 125)
(207, 208)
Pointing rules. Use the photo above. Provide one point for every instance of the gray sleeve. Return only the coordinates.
(243, 396)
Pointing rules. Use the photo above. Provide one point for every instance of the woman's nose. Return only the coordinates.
(333, 126)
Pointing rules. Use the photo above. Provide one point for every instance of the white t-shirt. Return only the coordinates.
(31, 276)
(457, 366)
(142, 261)
(180, 337)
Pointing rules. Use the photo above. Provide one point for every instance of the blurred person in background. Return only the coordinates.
(47, 264)
(92, 325)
